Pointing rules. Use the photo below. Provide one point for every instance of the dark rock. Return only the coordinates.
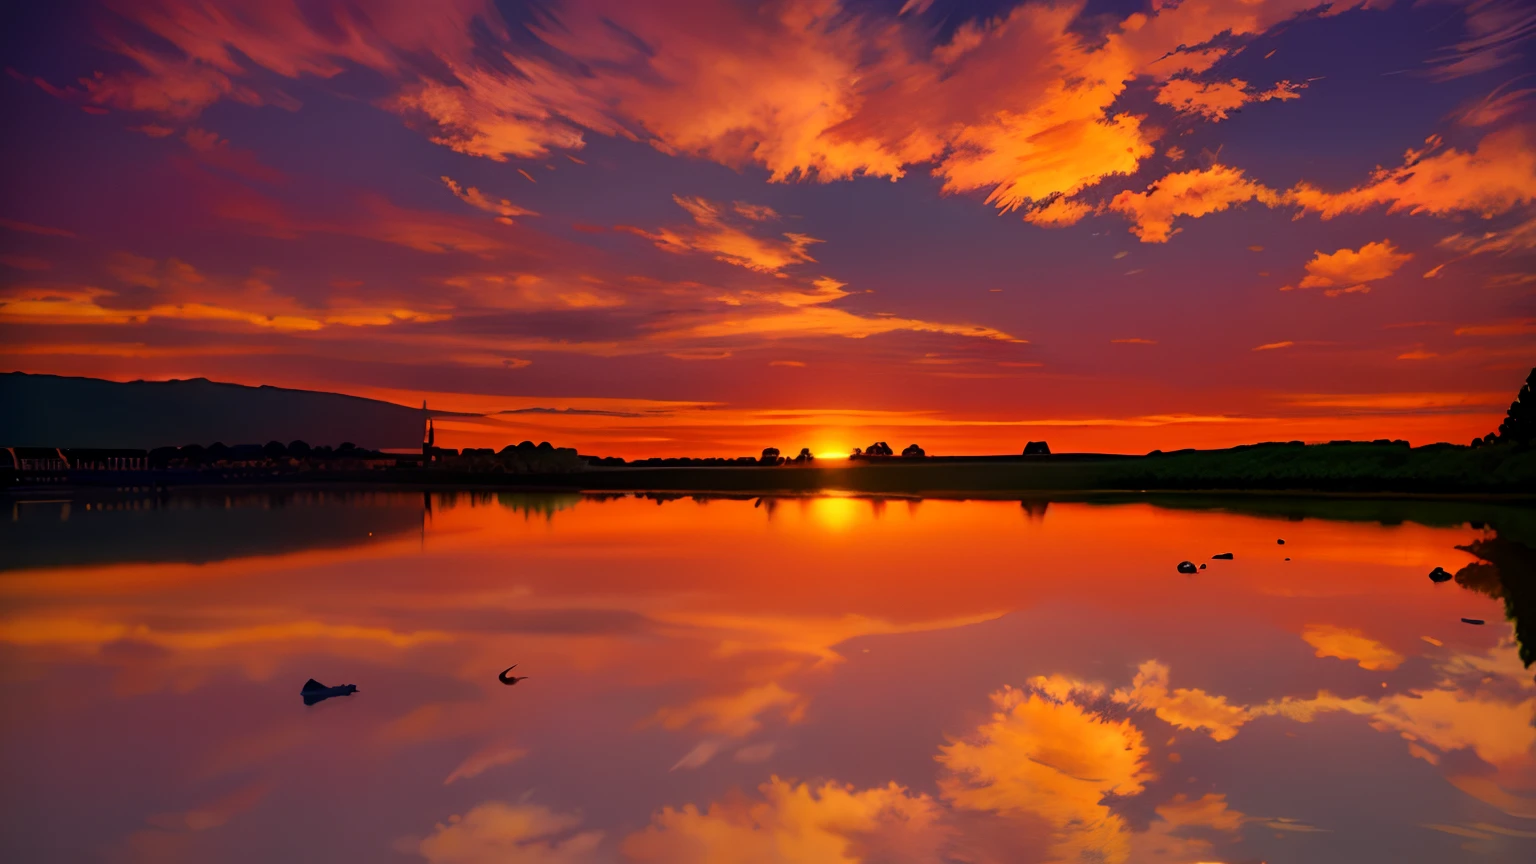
(1037, 448)
(1280, 542)
(1225, 556)
(1439, 574)
(1287, 559)
(1187, 567)
(1472, 621)
(1202, 566)
(313, 691)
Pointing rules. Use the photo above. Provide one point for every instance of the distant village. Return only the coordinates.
(219, 462)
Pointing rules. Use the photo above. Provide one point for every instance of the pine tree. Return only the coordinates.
(1520, 424)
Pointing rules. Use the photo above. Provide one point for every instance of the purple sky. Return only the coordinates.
(1117, 225)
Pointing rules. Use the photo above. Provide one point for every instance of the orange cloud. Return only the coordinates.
(1018, 106)
(180, 292)
(484, 759)
(1519, 238)
(1271, 346)
(1349, 644)
(208, 148)
(29, 228)
(505, 210)
(1353, 268)
(1519, 327)
(711, 234)
(1499, 175)
(528, 291)
(822, 321)
(1190, 193)
(1216, 100)
(755, 212)
(1060, 212)
(1207, 811)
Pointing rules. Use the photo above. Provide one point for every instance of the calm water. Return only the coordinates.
(821, 680)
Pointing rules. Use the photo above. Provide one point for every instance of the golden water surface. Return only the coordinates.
(829, 679)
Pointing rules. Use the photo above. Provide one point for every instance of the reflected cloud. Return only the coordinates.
(1186, 708)
(830, 823)
(1350, 644)
(736, 715)
(1046, 756)
(497, 832)
(484, 759)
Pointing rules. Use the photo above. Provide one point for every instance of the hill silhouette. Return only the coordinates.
(56, 411)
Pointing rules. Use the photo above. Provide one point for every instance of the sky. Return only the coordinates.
(709, 227)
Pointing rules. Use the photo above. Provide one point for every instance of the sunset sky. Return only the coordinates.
(654, 228)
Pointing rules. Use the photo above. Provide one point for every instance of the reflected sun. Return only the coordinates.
(836, 513)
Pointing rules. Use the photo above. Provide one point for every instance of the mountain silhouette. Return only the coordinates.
(55, 411)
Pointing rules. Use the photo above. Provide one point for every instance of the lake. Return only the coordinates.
(819, 679)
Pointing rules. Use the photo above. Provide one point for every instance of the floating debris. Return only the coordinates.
(1188, 567)
(1439, 574)
(1225, 556)
(1472, 621)
(313, 691)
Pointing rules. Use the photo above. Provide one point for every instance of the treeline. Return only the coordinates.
(524, 458)
(217, 453)
(1341, 466)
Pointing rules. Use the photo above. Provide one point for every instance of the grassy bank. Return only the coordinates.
(1347, 468)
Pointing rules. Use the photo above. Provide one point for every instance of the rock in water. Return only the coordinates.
(1202, 566)
(1187, 567)
(1471, 620)
(1439, 574)
(1225, 556)
(1280, 542)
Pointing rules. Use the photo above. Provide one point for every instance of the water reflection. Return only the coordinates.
(780, 679)
(153, 526)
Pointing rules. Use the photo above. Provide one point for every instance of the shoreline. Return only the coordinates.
(396, 486)
(1342, 468)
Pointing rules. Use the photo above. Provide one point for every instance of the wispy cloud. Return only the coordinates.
(712, 234)
(505, 210)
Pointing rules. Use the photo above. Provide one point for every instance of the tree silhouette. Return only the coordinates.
(805, 456)
(1520, 423)
(770, 456)
(298, 449)
(274, 450)
(913, 452)
(879, 448)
